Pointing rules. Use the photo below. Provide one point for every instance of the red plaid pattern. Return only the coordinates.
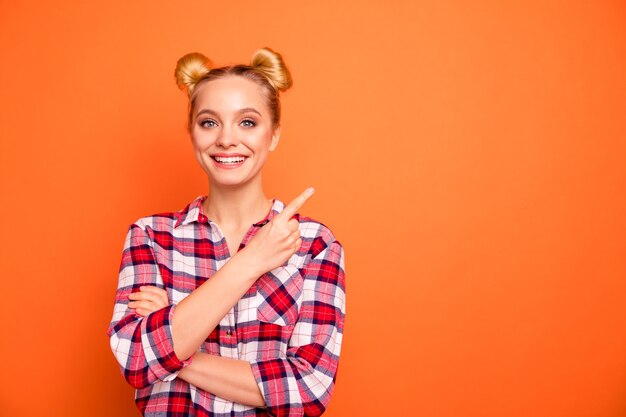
(288, 325)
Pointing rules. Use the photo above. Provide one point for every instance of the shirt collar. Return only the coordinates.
(193, 212)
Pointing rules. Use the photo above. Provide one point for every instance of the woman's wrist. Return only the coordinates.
(248, 266)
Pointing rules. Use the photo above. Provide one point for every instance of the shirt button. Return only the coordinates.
(228, 333)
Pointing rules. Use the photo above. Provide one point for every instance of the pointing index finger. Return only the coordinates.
(293, 207)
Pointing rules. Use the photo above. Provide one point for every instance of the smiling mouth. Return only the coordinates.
(229, 160)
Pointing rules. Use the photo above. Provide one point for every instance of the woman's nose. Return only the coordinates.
(226, 138)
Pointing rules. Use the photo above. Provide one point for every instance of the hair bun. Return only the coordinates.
(271, 64)
(190, 69)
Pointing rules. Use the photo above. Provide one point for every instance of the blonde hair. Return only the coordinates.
(267, 69)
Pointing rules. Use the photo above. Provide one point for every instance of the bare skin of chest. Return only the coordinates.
(233, 239)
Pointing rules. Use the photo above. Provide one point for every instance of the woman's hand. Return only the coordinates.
(148, 299)
(274, 244)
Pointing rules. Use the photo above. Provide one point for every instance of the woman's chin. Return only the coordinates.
(230, 181)
(231, 178)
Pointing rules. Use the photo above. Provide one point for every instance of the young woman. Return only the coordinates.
(235, 304)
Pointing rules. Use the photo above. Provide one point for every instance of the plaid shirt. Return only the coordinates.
(288, 325)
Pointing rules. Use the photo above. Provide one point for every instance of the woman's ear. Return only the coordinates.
(275, 137)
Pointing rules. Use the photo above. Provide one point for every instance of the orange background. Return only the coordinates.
(469, 155)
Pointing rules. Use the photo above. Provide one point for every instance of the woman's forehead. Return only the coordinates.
(230, 94)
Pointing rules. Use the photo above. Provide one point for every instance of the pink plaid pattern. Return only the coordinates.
(289, 324)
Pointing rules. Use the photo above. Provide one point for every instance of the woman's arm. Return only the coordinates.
(310, 366)
(231, 379)
(272, 245)
(142, 347)
(301, 382)
(227, 378)
(200, 312)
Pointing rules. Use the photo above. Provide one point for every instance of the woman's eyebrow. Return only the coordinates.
(249, 109)
(208, 111)
(244, 110)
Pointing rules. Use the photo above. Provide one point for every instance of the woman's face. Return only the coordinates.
(232, 130)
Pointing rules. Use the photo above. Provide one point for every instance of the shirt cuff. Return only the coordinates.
(158, 347)
(278, 386)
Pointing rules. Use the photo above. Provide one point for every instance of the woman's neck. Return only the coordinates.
(236, 208)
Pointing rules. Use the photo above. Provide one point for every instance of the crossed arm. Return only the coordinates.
(228, 378)
(300, 382)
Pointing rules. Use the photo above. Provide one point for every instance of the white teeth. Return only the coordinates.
(229, 160)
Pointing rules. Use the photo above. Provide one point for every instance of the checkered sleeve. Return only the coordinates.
(142, 345)
(302, 383)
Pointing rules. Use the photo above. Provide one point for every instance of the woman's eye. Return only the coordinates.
(208, 123)
(248, 123)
